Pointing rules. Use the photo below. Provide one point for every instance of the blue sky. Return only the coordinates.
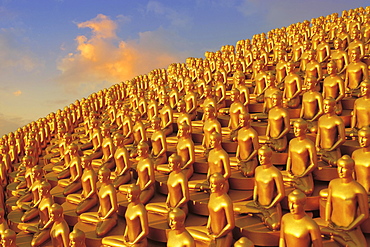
(53, 52)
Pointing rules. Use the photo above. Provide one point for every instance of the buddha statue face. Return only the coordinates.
(290, 67)
(133, 193)
(174, 162)
(264, 155)
(329, 105)
(299, 128)
(296, 200)
(355, 55)
(364, 137)
(331, 68)
(365, 88)
(276, 100)
(216, 183)
(345, 167)
(215, 140)
(176, 219)
(311, 83)
(336, 44)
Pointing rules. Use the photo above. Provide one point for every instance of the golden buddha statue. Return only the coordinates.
(108, 147)
(297, 47)
(88, 197)
(219, 89)
(239, 83)
(271, 89)
(339, 56)
(236, 108)
(218, 159)
(221, 219)
(73, 183)
(304, 57)
(178, 190)
(218, 162)
(278, 125)
(178, 235)
(323, 48)
(267, 194)
(138, 131)
(106, 217)
(30, 200)
(8, 238)
(361, 158)
(297, 228)
(184, 116)
(312, 106)
(96, 136)
(185, 149)
(260, 80)
(152, 110)
(330, 134)
(191, 100)
(24, 173)
(13, 150)
(246, 152)
(127, 125)
(42, 230)
(356, 43)
(313, 67)
(77, 238)
(220, 68)
(158, 141)
(360, 113)
(137, 227)
(3, 172)
(292, 86)
(346, 206)
(302, 159)
(356, 72)
(122, 160)
(211, 124)
(145, 172)
(209, 98)
(333, 86)
(166, 115)
(173, 94)
(59, 232)
(281, 70)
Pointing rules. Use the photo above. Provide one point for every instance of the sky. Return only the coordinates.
(53, 52)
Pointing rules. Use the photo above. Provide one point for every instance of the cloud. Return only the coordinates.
(17, 93)
(13, 54)
(104, 59)
(175, 17)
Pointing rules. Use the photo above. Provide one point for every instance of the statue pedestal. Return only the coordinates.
(198, 203)
(70, 215)
(254, 229)
(325, 172)
(11, 203)
(91, 239)
(238, 182)
(15, 222)
(58, 196)
(24, 240)
(52, 178)
(158, 225)
(313, 201)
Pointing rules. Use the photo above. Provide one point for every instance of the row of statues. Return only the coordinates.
(259, 128)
